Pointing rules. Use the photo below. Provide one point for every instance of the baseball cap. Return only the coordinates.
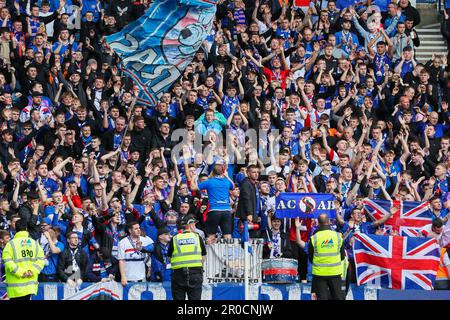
(32, 195)
(361, 86)
(295, 59)
(171, 213)
(7, 131)
(77, 71)
(163, 230)
(188, 219)
(36, 94)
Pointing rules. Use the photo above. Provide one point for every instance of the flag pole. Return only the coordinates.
(246, 263)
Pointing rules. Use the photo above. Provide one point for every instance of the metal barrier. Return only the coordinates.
(225, 261)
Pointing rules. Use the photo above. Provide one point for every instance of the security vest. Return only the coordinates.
(442, 273)
(186, 251)
(20, 255)
(327, 253)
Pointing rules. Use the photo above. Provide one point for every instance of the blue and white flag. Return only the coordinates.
(156, 48)
(245, 237)
(304, 205)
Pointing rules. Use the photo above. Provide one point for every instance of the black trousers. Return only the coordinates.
(300, 255)
(327, 288)
(187, 281)
(48, 278)
(27, 297)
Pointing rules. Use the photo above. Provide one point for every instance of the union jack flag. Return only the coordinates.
(408, 218)
(3, 295)
(396, 262)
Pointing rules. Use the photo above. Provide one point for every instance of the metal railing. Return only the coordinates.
(225, 261)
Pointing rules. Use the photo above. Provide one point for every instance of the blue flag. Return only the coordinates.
(304, 205)
(245, 237)
(156, 48)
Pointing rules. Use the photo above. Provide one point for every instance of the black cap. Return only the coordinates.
(76, 71)
(361, 86)
(294, 59)
(107, 59)
(188, 219)
(7, 131)
(36, 94)
(252, 69)
(32, 195)
(163, 230)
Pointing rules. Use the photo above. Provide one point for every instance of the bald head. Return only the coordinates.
(323, 220)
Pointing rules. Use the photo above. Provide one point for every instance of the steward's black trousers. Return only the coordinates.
(187, 281)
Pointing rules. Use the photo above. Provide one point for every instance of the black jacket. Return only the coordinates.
(108, 139)
(26, 213)
(73, 151)
(103, 232)
(320, 182)
(65, 260)
(93, 272)
(140, 140)
(412, 13)
(247, 200)
(5, 156)
(286, 248)
(158, 141)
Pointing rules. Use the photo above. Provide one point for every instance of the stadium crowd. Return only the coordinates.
(333, 92)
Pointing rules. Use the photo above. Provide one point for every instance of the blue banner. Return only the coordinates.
(222, 291)
(162, 291)
(156, 48)
(304, 205)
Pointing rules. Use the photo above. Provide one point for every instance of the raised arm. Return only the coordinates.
(57, 170)
(132, 195)
(385, 217)
(172, 184)
(298, 238)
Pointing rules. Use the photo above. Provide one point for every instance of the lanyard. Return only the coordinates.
(133, 244)
(74, 261)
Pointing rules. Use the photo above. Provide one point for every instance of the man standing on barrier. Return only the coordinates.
(187, 252)
(24, 260)
(218, 187)
(326, 254)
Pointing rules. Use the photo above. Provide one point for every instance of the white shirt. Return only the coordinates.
(135, 261)
(49, 26)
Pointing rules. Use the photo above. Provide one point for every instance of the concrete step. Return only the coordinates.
(432, 47)
(432, 26)
(430, 35)
(432, 42)
(435, 38)
(433, 30)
